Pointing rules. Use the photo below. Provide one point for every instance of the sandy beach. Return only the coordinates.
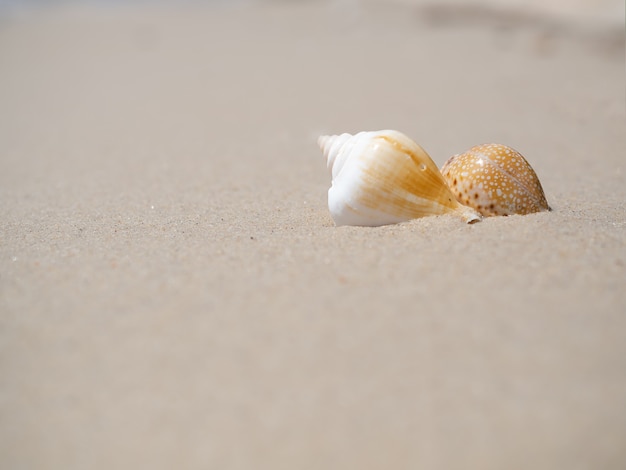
(174, 293)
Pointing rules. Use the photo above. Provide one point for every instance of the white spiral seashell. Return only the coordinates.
(383, 177)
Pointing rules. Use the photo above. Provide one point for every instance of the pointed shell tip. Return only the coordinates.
(470, 215)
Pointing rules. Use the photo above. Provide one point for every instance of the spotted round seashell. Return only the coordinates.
(384, 177)
(495, 180)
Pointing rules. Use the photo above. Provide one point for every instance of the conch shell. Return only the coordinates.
(495, 180)
(383, 177)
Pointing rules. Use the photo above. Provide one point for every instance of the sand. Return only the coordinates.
(173, 293)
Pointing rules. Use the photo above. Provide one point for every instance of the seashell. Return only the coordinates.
(495, 180)
(384, 177)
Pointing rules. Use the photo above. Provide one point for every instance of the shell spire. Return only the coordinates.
(332, 146)
(384, 177)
